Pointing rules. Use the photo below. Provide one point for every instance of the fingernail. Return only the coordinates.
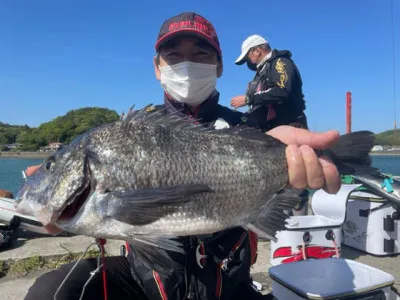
(306, 149)
(324, 162)
(294, 152)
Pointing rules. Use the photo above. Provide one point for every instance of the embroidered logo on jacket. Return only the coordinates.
(280, 67)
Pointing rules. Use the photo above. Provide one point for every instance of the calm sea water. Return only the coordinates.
(11, 176)
(11, 172)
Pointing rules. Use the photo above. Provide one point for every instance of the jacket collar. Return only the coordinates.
(264, 60)
(203, 112)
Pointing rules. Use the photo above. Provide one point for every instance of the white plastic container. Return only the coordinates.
(371, 225)
(330, 278)
(314, 236)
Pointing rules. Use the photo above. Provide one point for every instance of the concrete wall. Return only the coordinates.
(26, 154)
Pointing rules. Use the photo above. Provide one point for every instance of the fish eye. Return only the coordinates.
(48, 165)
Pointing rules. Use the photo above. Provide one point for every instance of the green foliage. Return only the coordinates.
(24, 266)
(390, 138)
(9, 133)
(62, 129)
(65, 128)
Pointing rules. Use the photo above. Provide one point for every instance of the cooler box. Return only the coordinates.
(371, 224)
(330, 278)
(314, 236)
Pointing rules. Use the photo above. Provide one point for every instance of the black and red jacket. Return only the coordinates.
(230, 253)
(208, 112)
(275, 94)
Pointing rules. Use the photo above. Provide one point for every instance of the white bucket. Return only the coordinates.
(370, 225)
(310, 237)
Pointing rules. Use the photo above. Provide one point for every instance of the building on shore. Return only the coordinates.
(51, 147)
(54, 146)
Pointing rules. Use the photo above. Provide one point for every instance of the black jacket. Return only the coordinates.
(275, 94)
(228, 252)
(208, 112)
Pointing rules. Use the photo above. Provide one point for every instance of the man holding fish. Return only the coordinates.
(214, 264)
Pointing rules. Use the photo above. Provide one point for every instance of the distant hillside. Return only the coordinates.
(390, 138)
(65, 128)
(61, 129)
(8, 133)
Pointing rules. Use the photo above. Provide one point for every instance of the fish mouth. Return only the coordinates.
(75, 203)
(77, 200)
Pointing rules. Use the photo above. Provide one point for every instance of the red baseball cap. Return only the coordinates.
(188, 23)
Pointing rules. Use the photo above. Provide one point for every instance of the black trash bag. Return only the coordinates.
(5, 238)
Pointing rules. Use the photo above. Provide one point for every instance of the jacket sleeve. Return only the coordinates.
(279, 89)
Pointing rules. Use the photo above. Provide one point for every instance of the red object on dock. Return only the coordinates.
(348, 112)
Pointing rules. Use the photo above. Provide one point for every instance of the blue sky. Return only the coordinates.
(61, 55)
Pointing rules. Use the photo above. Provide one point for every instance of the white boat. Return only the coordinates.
(9, 217)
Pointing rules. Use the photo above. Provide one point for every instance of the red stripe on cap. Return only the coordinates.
(210, 40)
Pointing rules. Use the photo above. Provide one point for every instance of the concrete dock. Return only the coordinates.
(29, 244)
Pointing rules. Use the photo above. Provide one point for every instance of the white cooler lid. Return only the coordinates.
(329, 278)
(332, 206)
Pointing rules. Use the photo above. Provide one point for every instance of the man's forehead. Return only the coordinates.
(186, 41)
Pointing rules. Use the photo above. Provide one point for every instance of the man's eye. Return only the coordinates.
(173, 54)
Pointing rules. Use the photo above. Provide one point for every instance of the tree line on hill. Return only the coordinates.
(65, 128)
(389, 138)
(62, 129)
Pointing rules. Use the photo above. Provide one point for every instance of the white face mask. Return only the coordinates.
(189, 82)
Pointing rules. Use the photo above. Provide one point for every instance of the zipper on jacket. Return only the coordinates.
(223, 265)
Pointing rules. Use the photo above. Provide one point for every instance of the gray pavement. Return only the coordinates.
(30, 244)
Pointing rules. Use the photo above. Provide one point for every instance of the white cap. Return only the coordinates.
(250, 42)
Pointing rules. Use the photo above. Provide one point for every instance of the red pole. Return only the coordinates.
(348, 112)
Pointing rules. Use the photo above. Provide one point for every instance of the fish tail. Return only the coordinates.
(351, 153)
(351, 156)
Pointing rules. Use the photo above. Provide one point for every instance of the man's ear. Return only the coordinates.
(220, 68)
(156, 68)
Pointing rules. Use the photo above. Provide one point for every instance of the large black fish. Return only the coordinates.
(152, 176)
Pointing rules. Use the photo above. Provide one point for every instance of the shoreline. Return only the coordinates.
(378, 153)
(25, 154)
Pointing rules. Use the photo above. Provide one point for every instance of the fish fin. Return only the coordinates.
(260, 232)
(249, 133)
(162, 117)
(144, 206)
(271, 217)
(178, 120)
(130, 110)
(156, 253)
(135, 114)
(351, 153)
